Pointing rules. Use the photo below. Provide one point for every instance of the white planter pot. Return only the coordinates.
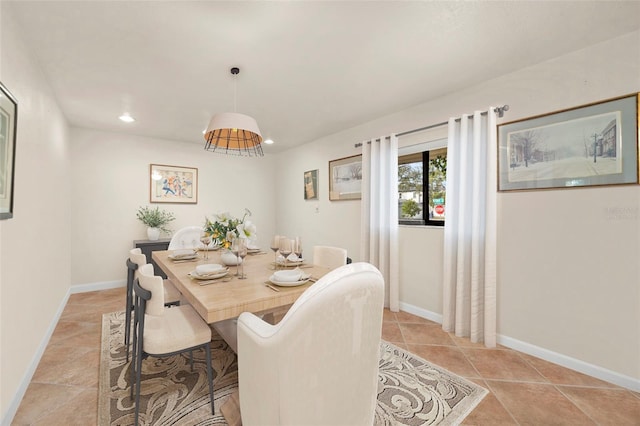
(229, 258)
(153, 234)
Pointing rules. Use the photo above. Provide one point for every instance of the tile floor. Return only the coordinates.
(523, 390)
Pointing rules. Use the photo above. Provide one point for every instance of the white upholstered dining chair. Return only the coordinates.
(160, 331)
(329, 257)
(171, 294)
(186, 238)
(319, 364)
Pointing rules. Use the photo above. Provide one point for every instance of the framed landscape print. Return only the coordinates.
(311, 185)
(173, 184)
(345, 178)
(595, 144)
(8, 126)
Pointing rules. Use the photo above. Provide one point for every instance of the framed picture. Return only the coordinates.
(595, 144)
(173, 184)
(8, 126)
(345, 178)
(311, 185)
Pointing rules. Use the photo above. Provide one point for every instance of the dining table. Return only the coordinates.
(228, 297)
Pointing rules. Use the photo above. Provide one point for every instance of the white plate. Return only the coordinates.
(194, 274)
(183, 256)
(304, 280)
(253, 250)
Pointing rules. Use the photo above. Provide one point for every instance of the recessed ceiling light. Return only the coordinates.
(127, 118)
(268, 141)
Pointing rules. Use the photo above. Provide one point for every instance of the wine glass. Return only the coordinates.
(205, 239)
(297, 247)
(242, 252)
(275, 245)
(235, 249)
(285, 248)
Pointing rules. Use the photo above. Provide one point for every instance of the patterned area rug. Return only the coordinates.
(411, 391)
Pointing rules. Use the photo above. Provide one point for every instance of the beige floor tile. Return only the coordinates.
(564, 376)
(501, 364)
(85, 334)
(40, 400)
(448, 357)
(489, 412)
(80, 411)
(391, 332)
(410, 318)
(77, 366)
(387, 315)
(425, 334)
(614, 407)
(538, 404)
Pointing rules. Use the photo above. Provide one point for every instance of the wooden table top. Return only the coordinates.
(223, 300)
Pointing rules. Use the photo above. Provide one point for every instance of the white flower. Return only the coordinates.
(247, 230)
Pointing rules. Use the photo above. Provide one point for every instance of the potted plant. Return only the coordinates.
(156, 221)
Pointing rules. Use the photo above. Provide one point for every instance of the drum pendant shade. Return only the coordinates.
(233, 133)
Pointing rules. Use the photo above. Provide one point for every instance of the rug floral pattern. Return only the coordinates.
(411, 391)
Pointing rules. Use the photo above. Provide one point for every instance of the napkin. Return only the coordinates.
(183, 253)
(291, 258)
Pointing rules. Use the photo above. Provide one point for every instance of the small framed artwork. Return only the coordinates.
(8, 126)
(173, 184)
(345, 178)
(590, 145)
(311, 185)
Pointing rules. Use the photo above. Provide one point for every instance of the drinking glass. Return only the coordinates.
(235, 248)
(297, 247)
(285, 248)
(242, 252)
(275, 245)
(205, 239)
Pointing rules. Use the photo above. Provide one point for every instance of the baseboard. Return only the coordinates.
(572, 363)
(26, 379)
(542, 353)
(422, 313)
(103, 285)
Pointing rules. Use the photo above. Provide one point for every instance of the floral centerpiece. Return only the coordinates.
(225, 228)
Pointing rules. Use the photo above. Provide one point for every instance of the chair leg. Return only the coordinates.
(127, 321)
(191, 359)
(138, 378)
(207, 350)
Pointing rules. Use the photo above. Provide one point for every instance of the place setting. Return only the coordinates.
(210, 273)
(287, 252)
(183, 255)
(289, 278)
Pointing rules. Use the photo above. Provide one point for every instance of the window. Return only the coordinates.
(417, 206)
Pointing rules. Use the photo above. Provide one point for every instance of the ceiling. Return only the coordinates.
(308, 69)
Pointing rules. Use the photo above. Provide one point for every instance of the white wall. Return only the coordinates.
(35, 261)
(568, 275)
(110, 181)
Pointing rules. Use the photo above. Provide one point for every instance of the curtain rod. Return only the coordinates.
(499, 110)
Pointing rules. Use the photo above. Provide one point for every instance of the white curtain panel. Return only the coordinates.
(379, 234)
(469, 305)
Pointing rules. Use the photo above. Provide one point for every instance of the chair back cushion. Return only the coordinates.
(186, 238)
(319, 364)
(152, 283)
(329, 257)
(136, 256)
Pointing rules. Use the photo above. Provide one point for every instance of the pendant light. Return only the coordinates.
(232, 133)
